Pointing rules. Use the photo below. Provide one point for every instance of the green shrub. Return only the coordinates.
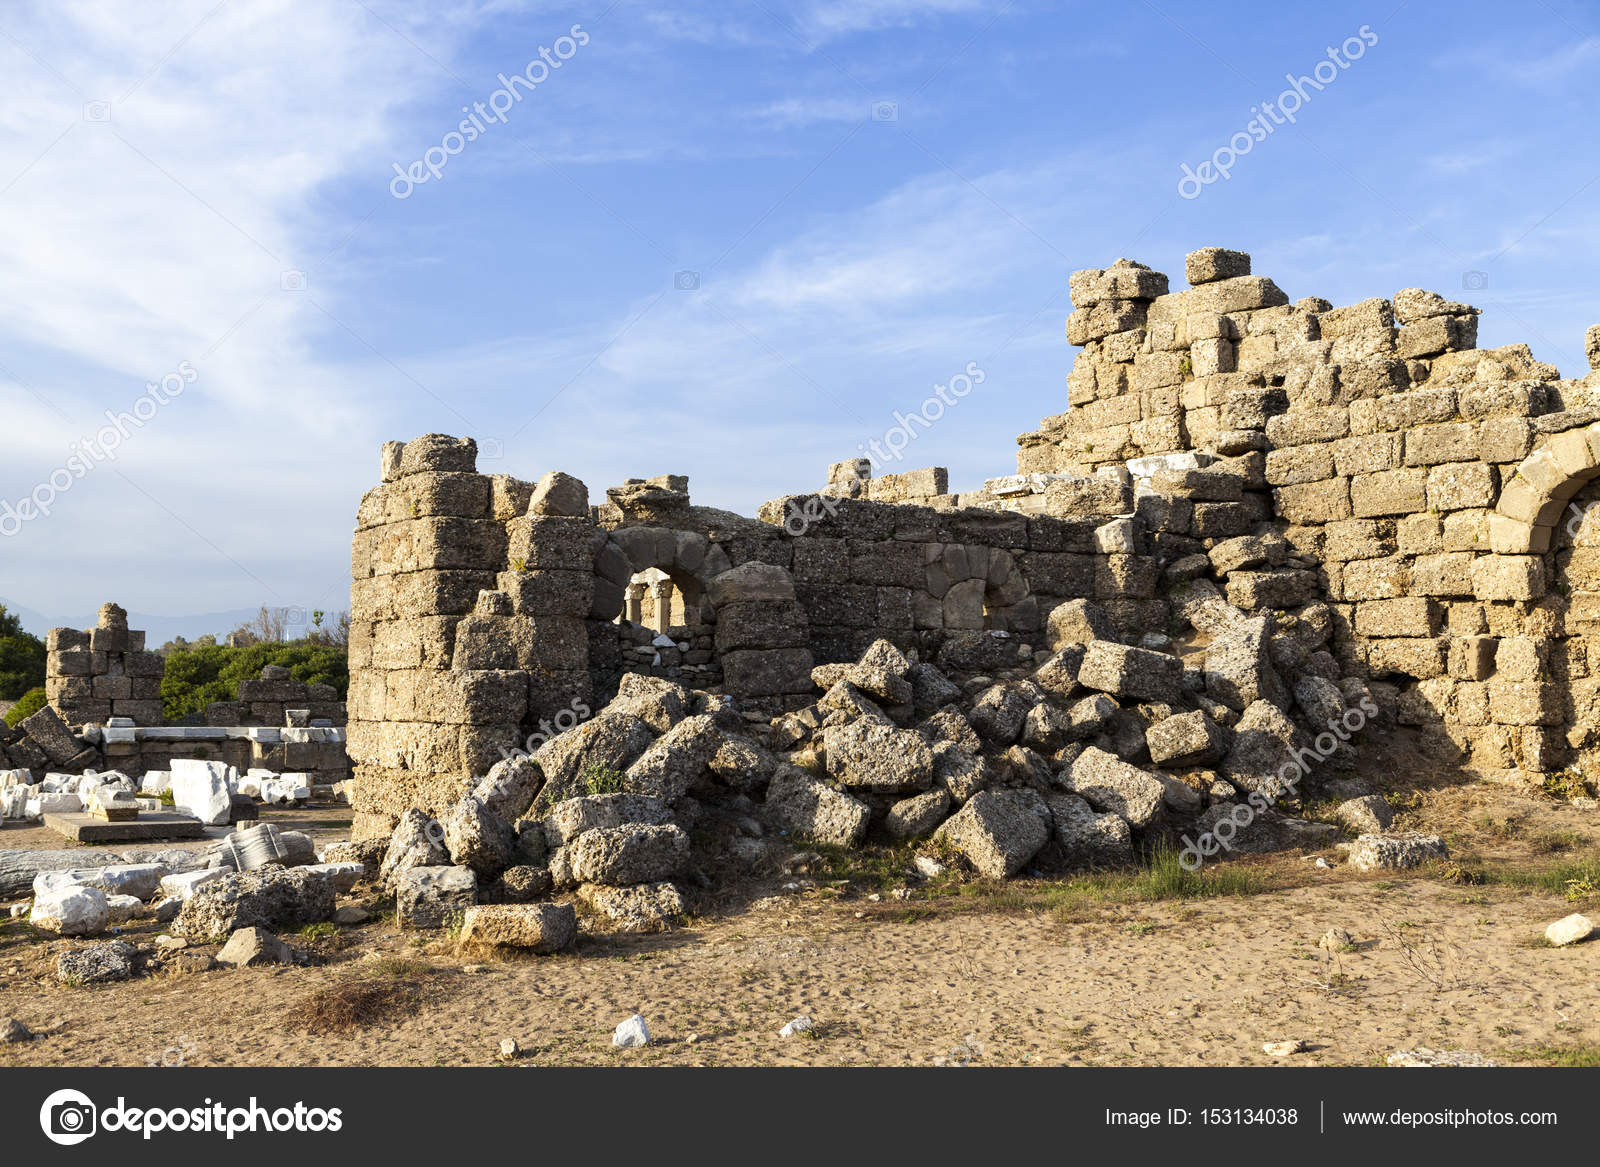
(30, 703)
(598, 779)
(197, 676)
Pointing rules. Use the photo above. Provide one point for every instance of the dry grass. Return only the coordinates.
(379, 991)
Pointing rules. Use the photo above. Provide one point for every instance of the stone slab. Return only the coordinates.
(85, 828)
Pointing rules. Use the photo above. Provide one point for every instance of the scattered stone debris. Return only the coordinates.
(1569, 930)
(1395, 852)
(97, 964)
(1336, 940)
(631, 1034)
(798, 1025)
(13, 1031)
(1283, 1049)
(253, 946)
(509, 1049)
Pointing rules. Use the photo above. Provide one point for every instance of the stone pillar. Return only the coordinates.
(423, 722)
(633, 612)
(661, 593)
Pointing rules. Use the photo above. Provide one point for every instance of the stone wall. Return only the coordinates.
(483, 606)
(1427, 478)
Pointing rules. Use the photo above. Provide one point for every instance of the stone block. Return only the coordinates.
(1508, 577)
(1392, 492)
(1210, 264)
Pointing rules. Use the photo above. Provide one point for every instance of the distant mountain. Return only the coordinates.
(31, 621)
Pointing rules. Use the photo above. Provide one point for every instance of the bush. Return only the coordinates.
(197, 676)
(30, 703)
(21, 665)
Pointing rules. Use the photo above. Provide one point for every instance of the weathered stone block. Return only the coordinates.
(1393, 492)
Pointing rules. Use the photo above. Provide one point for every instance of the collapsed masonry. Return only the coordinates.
(1254, 520)
(104, 719)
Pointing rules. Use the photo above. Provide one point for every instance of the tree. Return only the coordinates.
(337, 633)
(199, 675)
(22, 658)
(269, 626)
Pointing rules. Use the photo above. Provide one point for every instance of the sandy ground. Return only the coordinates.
(955, 979)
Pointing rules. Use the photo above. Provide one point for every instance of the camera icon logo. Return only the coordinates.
(97, 111)
(1474, 281)
(68, 1117)
(885, 111)
(292, 281)
(491, 449)
(686, 281)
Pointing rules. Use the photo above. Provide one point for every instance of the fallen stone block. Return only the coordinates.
(997, 832)
(183, 884)
(804, 807)
(571, 818)
(911, 818)
(344, 875)
(1369, 815)
(675, 760)
(202, 789)
(1088, 837)
(1078, 622)
(253, 946)
(876, 756)
(271, 898)
(417, 841)
(1185, 739)
(477, 838)
(1107, 783)
(644, 907)
(98, 964)
(541, 928)
(426, 897)
(619, 856)
(1395, 852)
(74, 910)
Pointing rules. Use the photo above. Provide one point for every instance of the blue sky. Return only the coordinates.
(871, 194)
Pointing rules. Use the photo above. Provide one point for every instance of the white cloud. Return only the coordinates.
(158, 176)
(808, 111)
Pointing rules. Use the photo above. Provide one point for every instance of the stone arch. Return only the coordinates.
(1538, 490)
(978, 588)
(687, 558)
(1572, 651)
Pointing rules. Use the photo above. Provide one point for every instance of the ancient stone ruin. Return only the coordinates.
(1259, 531)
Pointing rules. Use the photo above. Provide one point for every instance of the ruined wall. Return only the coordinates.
(1426, 478)
(1363, 472)
(103, 672)
(483, 607)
